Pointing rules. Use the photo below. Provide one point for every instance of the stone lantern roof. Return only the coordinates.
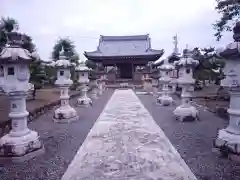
(63, 62)
(232, 50)
(82, 67)
(186, 60)
(13, 52)
(166, 67)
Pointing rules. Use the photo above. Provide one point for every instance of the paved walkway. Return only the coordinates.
(126, 143)
(194, 140)
(61, 142)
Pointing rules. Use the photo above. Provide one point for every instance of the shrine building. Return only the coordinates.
(125, 53)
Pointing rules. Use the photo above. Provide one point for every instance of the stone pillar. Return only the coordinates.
(228, 139)
(18, 114)
(64, 97)
(21, 143)
(65, 113)
(164, 99)
(99, 87)
(186, 112)
(94, 94)
(84, 100)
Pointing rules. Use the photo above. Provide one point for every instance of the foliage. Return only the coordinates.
(37, 75)
(230, 11)
(9, 24)
(6, 25)
(210, 66)
(68, 48)
(28, 44)
(50, 74)
(90, 64)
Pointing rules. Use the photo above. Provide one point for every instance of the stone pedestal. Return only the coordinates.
(186, 112)
(164, 99)
(20, 143)
(99, 87)
(65, 113)
(228, 140)
(94, 92)
(147, 85)
(173, 84)
(84, 100)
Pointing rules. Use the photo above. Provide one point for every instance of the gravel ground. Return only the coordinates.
(61, 143)
(194, 141)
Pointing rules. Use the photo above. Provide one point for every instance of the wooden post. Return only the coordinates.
(132, 72)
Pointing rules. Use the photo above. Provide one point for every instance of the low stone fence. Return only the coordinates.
(5, 126)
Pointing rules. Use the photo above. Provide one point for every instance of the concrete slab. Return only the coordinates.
(126, 143)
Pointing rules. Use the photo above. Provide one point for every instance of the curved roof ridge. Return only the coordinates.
(126, 37)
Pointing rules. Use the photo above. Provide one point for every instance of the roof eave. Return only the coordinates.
(230, 54)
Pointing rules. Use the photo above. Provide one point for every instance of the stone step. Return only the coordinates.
(126, 143)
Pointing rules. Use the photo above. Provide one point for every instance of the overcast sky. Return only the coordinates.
(84, 20)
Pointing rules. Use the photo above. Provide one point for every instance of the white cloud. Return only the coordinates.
(85, 20)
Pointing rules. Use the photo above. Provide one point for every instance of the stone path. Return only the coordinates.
(194, 140)
(126, 143)
(61, 142)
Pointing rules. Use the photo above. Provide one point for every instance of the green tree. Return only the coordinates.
(68, 48)
(6, 25)
(37, 75)
(210, 66)
(230, 12)
(90, 64)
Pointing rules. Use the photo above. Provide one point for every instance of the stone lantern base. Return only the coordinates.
(165, 100)
(84, 101)
(228, 144)
(17, 148)
(94, 93)
(65, 114)
(186, 112)
(147, 86)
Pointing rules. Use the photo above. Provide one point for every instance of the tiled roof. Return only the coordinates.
(124, 46)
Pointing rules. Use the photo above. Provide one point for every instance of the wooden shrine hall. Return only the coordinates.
(124, 53)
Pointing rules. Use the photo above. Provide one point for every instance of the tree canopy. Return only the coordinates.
(90, 64)
(210, 66)
(8, 25)
(230, 13)
(68, 48)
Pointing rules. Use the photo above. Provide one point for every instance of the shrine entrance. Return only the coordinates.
(126, 71)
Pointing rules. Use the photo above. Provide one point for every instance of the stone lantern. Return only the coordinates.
(65, 113)
(83, 80)
(94, 85)
(186, 112)
(147, 83)
(100, 86)
(228, 139)
(20, 143)
(175, 56)
(164, 99)
(173, 83)
(103, 79)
